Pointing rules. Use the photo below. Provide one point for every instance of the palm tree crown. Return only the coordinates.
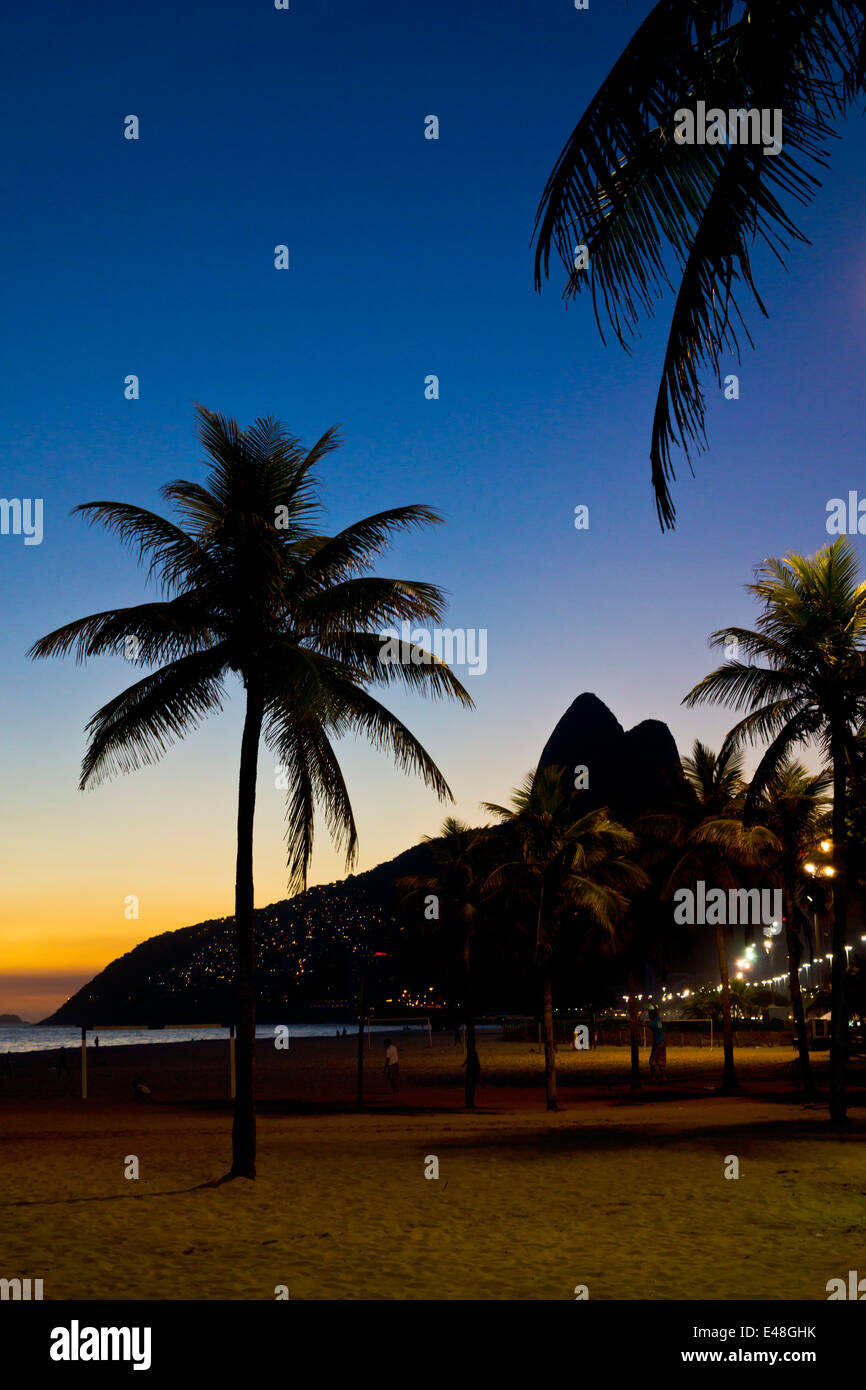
(251, 586)
(655, 214)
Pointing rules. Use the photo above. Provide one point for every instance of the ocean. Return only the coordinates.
(29, 1038)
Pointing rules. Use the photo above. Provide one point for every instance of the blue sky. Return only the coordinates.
(408, 257)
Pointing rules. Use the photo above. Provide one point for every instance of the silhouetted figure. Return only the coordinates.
(345, 1034)
(392, 1065)
(62, 1062)
(7, 1063)
(658, 1063)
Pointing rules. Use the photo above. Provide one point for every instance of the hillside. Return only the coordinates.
(310, 947)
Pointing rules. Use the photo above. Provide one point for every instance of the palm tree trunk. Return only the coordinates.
(636, 1083)
(838, 1003)
(793, 941)
(472, 1064)
(244, 1125)
(730, 1077)
(549, 1053)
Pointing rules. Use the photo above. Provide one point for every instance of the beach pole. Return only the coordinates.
(84, 1064)
(232, 1073)
(362, 999)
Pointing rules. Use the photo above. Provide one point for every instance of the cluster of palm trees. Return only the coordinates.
(567, 873)
(253, 588)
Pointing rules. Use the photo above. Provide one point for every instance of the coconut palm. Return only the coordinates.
(655, 214)
(811, 687)
(456, 886)
(710, 841)
(571, 870)
(250, 587)
(794, 807)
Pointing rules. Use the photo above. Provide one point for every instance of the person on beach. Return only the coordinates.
(658, 1064)
(392, 1065)
(62, 1062)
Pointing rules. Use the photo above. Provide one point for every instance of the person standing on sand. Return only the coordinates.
(62, 1063)
(392, 1065)
(658, 1062)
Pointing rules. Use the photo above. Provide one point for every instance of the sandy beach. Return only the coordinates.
(621, 1191)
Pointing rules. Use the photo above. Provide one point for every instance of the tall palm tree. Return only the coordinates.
(569, 868)
(708, 837)
(794, 807)
(656, 214)
(811, 636)
(457, 885)
(252, 588)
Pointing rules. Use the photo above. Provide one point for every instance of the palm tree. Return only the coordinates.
(456, 885)
(251, 587)
(656, 214)
(793, 806)
(568, 868)
(811, 635)
(708, 835)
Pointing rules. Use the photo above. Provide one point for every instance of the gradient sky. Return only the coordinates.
(408, 257)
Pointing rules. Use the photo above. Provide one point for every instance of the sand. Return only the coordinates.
(622, 1192)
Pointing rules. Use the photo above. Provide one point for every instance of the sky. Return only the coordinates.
(408, 257)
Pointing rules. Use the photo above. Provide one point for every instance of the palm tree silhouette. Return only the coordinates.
(566, 867)
(657, 215)
(794, 807)
(251, 587)
(457, 884)
(811, 635)
(709, 839)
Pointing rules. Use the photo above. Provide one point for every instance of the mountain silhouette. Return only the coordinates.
(309, 947)
(630, 772)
